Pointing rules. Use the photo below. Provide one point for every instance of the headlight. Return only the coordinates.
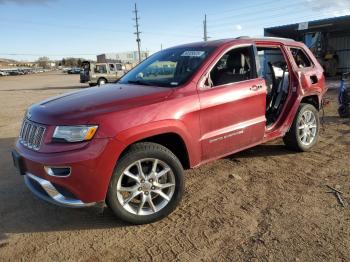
(74, 133)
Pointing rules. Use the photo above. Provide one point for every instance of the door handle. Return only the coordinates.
(255, 87)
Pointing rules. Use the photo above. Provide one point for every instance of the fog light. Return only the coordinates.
(58, 171)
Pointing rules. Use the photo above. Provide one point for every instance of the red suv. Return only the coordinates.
(128, 143)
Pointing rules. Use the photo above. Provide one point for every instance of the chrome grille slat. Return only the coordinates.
(31, 134)
(21, 132)
(25, 124)
(29, 126)
(36, 140)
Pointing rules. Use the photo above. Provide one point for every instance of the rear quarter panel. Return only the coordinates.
(307, 88)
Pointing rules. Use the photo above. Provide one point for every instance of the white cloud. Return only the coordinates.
(238, 27)
(330, 8)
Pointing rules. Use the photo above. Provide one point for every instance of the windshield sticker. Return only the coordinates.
(174, 83)
(193, 53)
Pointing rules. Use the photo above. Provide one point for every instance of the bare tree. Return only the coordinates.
(71, 61)
(43, 62)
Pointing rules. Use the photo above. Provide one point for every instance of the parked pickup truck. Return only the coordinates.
(127, 144)
(100, 73)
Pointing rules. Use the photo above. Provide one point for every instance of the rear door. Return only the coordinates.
(85, 72)
(310, 76)
(233, 104)
(120, 71)
(112, 72)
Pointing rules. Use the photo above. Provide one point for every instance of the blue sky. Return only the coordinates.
(63, 28)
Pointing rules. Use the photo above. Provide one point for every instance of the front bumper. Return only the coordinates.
(87, 184)
(45, 190)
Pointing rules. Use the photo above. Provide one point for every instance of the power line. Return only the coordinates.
(262, 12)
(277, 21)
(245, 7)
(101, 28)
(137, 33)
(272, 16)
(172, 34)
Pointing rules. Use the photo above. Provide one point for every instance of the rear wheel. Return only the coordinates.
(303, 134)
(101, 81)
(147, 184)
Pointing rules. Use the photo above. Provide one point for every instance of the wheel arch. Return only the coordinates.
(172, 135)
(172, 141)
(98, 80)
(313, 99)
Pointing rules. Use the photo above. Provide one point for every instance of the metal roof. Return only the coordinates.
(336, 26)
(246, 39)
(267, 38)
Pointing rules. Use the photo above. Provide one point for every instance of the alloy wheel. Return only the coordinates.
(146, 186)
(307, 127)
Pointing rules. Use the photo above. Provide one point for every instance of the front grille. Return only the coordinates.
(31, 134)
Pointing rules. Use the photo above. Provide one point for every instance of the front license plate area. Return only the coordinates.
(18, 162)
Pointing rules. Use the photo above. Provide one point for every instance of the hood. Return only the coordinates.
(81, 106)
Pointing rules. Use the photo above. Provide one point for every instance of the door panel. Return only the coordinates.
(232, 117)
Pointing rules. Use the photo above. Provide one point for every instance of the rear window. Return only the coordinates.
(300, 58)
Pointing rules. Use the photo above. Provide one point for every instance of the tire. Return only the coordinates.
(299, 138)
(101, 81)
(344, 111)
(127, 205)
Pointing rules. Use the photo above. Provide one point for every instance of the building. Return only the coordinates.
(131, 57)
(328, 39)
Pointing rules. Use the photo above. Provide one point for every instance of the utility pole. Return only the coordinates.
(205, 35)
(137, 33)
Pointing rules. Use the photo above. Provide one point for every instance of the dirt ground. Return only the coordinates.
(264, 204)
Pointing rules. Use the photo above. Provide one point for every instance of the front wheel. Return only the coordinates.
(147, 184)
(304, 132)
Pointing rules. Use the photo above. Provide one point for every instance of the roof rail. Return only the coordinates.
(265, 37)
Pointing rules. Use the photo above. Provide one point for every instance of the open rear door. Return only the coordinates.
(85, 72)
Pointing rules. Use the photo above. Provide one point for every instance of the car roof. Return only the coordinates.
(239, 40)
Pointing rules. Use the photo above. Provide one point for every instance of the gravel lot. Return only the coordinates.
(266, 203)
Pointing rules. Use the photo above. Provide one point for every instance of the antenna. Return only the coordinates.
(137, 33)
(205, 32)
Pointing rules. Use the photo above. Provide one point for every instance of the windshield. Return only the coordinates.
(168, 68)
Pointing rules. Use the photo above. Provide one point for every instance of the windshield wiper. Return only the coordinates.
(140, 82)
